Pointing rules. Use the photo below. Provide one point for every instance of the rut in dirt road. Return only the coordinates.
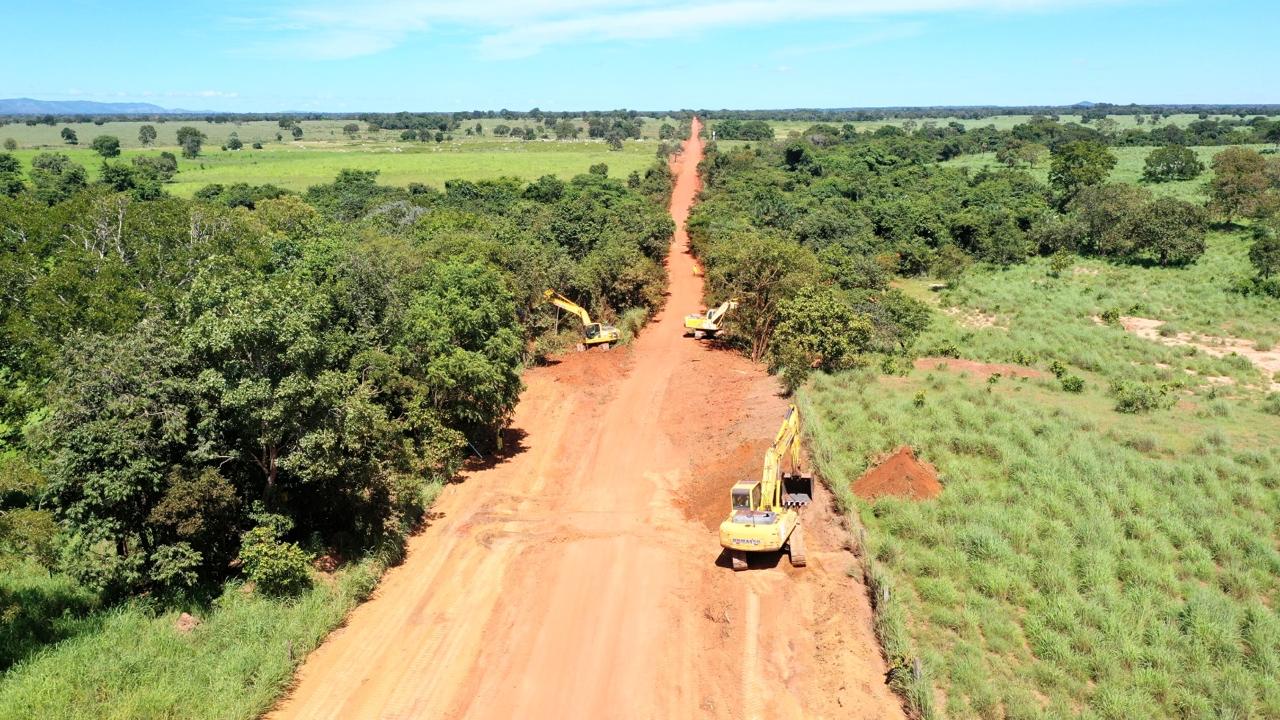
(581, 577)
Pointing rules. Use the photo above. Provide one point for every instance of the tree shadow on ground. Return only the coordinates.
(513, 443)
(35, 615)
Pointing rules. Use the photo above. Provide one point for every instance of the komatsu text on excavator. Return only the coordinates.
(765, 514)
(707, 324)
(595, 334)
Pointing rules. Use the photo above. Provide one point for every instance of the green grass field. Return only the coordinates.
(1080, 562)
(301, 165)
(264, 131)
(325, 149)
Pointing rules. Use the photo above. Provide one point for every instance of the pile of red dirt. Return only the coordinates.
(901, 475)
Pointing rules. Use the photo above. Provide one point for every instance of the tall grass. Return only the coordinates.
(1080, 562)
(1062, 572)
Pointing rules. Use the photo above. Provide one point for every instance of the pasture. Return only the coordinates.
(324, 150)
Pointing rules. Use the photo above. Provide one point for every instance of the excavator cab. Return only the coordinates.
(591, 331)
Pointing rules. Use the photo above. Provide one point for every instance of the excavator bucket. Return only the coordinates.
(797, 490)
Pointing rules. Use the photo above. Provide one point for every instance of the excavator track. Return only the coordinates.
(739, 559)
(795, 546)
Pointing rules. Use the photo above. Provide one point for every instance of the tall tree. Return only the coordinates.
(147, 135)
(1080, 164)
(69, 136)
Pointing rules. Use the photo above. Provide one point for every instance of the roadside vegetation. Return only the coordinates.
(1105, 543)
(238, 406)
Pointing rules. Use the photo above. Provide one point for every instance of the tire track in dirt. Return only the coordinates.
(581, 577)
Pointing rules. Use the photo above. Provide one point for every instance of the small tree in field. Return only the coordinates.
(296, 132)
(10, 144)
(147, 135)
(69, 136)
(108, 146)
(191, 141)
(351, 130)
(1173, 162)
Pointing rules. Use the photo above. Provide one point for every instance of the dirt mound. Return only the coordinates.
(973, 367)
(900, 475)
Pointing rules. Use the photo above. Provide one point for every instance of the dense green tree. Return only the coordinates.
(1078, 165)
(10, 144)
(1172, 162)
(761, 271)
(147, 135)
(816, 329)
(160, 168)
(120, 420)
(1239, 183)
(108, 146)
(190, 140)
(234, 142)
(55, 178)
(566, 130)
(351, 130)
(1171, 231)
(296, 132)
(11, 182)
(352, 194)
(69, 136)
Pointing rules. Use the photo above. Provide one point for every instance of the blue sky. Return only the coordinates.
(385, 55)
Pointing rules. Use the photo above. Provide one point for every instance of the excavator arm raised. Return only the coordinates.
(597, 334)
(566, 304)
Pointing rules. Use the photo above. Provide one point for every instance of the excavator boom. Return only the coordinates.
(709, 322)
(597, 334)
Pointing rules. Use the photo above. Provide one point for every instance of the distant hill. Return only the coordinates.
(1084, 104)
(28, 106)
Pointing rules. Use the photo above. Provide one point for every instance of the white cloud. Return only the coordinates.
(515, 28)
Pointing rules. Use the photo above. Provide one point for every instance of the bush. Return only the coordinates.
(1271, 403)
(630, 323)
(1135, 397)
(275, 566)
(1172, 162)
(1073, 383)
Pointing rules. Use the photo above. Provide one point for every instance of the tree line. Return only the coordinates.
(806, 233)
(197, 389)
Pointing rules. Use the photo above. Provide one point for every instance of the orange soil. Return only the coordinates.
(901, 475)
(580, 577)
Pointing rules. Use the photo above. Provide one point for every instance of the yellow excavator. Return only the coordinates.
(765, 514)
(595, 334)
(707, 324)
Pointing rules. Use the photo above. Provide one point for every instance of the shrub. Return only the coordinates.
(1111, 316)
(1073, 383)
(1135, 397)
(277, 567)
(1058, 369)
(1172, 162)
(1271, 403)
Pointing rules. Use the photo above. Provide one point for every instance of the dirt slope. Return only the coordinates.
(581, 576)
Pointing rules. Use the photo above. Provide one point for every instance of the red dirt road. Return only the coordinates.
(581, 576)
